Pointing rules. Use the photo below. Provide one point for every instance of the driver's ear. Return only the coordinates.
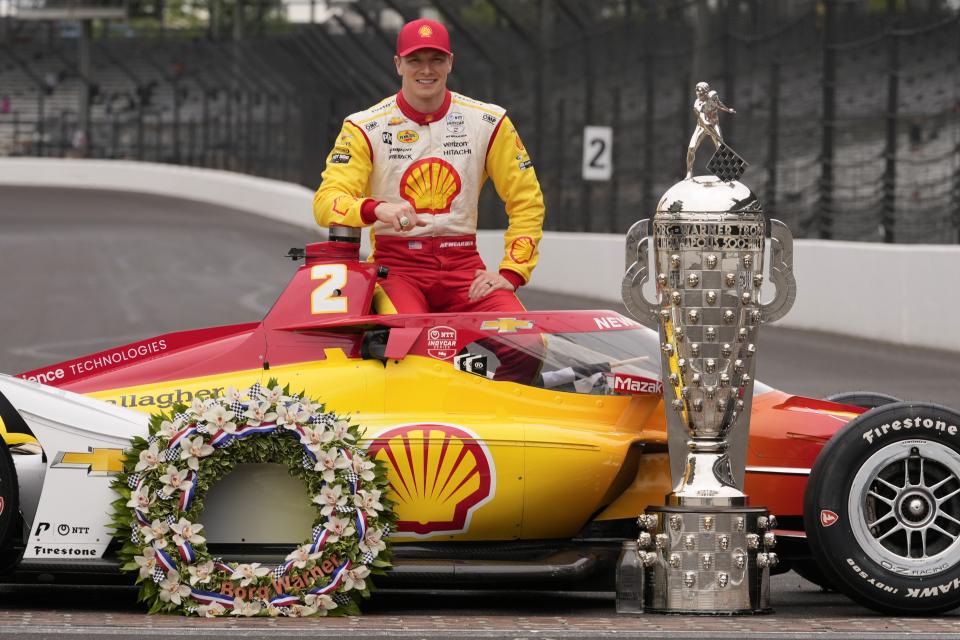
(396, 62)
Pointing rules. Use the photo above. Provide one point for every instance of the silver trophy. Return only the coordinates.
(707, 551)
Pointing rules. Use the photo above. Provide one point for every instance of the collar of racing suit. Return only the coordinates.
(423, 118)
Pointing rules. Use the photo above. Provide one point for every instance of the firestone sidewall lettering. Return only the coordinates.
(919, 423)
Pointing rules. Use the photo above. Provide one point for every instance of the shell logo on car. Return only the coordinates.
(440, 475)
(430, 185)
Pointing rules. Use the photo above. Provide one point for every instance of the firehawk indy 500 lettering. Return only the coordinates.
(524, 446)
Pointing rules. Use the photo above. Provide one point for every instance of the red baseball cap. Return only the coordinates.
(422, 34)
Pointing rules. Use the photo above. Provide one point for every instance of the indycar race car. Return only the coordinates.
(519, 447)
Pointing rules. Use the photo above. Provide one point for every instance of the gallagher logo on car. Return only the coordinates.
(627, 384)
(440, 474)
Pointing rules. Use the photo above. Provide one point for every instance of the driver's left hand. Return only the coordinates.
(486, 281)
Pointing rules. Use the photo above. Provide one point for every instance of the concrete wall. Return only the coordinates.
(908, 294)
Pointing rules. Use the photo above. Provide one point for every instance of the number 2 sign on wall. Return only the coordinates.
(597, 153)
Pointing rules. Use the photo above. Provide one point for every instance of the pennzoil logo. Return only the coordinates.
(439, 474)
(408, 136)
(96, 461)
(506, 325)
(430, 185)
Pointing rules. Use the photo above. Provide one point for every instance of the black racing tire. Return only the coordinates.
(882, 509)
(9, 508)
(865, 399)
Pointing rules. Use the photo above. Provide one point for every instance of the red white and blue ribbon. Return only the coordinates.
(361, 522)
(186, 497)
(181, 435)
(335, 579)
(164, 560)
(246, 432)
(319, 542)
(284, 600)
(187, 553)
(220, 565)
(220, 438)
(284, 568)
(141, 517)
(210, 597)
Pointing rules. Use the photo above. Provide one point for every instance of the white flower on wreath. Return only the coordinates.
(363, 468)
(201, 572)
(373, 542)
(247, 573)
(341, 430)
(168, 429)
(193, 450)
(258, 413)
(212, 610)
(175, 480)
(233, 395)
(314, 438)
(369, 501)
(301, 611)
(243, 608)
(290, 417)
(273, 395)
(149, 458)
(274, 612)
(323, 603)
(199, 407)
(339, 527)
(171, 590)
(156, 530)
(330, 498)
(329, 461)
(353, 579)
(186, 531)
(147, 562)
(301, 556)
(218, 417)
(140, 499)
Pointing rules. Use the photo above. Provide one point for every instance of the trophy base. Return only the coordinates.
(708, 560)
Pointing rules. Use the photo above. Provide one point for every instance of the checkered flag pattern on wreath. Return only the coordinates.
(352, 477)
(203, 429)
(135, 535)
(158, 575)
(316, 531)
(307, 462)
(134, 479)
(162, 495)
(170, 520)
(278, 572)
(182, 417)
(367, 557)
(255, 391)
(727, 164)
(152, 439)
(171, 455)
(238, 407)
(342, 598)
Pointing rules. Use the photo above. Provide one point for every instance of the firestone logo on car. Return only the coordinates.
(440, 475)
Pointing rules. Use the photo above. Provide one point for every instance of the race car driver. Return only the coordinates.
(412, 167)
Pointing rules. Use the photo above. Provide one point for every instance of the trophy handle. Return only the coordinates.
(781, 272)
(631, 289)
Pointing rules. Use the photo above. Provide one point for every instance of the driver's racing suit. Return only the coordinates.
(438, 163)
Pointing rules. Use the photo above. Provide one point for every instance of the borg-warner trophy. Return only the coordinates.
(706, 551)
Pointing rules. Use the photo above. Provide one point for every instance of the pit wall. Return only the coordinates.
(893, 293)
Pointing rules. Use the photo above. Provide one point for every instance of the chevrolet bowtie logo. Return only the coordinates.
(506, 325)
(97, 462)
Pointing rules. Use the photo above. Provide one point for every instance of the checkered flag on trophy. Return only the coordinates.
(727, 164)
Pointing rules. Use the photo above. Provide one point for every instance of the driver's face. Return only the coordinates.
(424, 74)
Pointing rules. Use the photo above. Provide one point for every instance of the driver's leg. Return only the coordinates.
(399, 293)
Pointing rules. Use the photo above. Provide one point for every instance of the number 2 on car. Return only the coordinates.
(326, 298)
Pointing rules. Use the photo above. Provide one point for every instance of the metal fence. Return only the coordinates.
(848, 110)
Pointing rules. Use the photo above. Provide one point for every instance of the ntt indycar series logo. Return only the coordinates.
(918, 423)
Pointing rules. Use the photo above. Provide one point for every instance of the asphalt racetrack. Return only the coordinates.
(81, 271)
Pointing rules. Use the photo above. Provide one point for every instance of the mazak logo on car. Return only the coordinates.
(439, 498)
(628, 384)
(441, 342)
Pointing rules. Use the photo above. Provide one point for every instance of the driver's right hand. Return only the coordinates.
(401, 216)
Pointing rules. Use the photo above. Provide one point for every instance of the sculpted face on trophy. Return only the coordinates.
(707, 236)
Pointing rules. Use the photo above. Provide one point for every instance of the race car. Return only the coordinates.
(520, 447)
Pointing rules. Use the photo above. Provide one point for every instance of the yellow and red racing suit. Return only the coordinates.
(437, 162)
